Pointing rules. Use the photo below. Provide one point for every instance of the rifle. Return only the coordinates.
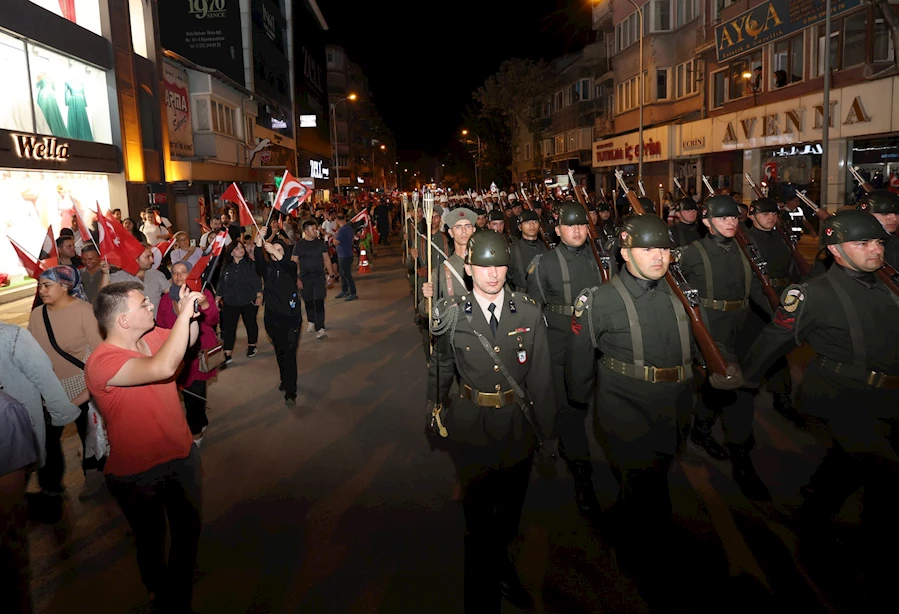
(603, 261)
(680, 188)
(689, 298)
(867, 187)
(802, 265)
(887, 274)
(751, 251)
(543, 234)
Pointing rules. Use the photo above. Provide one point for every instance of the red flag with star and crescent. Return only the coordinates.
(117, 245)
(31, 264)
(233, 195)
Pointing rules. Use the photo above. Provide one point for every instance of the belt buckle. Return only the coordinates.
(680, 373)
(489, 399)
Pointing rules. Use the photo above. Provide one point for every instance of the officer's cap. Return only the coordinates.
(460, 213)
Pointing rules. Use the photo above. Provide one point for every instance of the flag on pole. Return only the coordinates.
(160, 250)
(83, 228)
(117, 245)
(291, 194)
(29, 263)
(233, 195)
(194, 279)
(362, 223)
(203, 225)
(48, 247)
(217, 244)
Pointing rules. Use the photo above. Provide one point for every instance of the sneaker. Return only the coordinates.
(322, 334)
(93, 483)
(251, 351)
(351, 297)
(198, 440)
(310, 328)
(228, 360)
(341, 295)
(290, 399)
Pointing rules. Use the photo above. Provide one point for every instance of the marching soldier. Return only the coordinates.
(554, 279)
(604, 223)
(884, 205)
(414, 226)
(717, 268)
(481, 222)
(524, 250)
(440, 245)
(686, 229)
(851, 320)
(496, 221)
(450, 274)
(494, 340)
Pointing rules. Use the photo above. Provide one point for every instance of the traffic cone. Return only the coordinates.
(364, 266)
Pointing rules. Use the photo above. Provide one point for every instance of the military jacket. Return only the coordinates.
(684, 234)
(449, 280)
(520, 344)
(891, 251)
(777, 256)
(545, 285)
(523, 252)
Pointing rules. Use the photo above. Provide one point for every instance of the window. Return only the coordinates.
(662, 83)
(687, 11)
(855, 29)
(628, 31)
(560, 144)
(201, 106)
(585, 89)
(548, 149)
(343, 161)
(883, 42)
(557, 101)
(249, 131)
(223, 118)
(787, 59)
(660, 16)
(138, 29)
(819, 48)
(719, 88)
(148, 113)
(579, 90)
(527, 151)
(626, 94)
(571, 140)
(745, 77)
(684, 80)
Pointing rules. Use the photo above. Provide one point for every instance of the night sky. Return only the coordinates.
(453, 46)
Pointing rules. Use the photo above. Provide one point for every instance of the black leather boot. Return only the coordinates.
(481, 588)
(512, 588)
(584, 495)
(701, 435)
(744, 473)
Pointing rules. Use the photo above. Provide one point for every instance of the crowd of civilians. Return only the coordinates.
(120, 356)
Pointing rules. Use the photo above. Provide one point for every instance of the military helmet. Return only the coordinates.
(603, 206)
(644, 231)
(496, 216)
(572, 214)
(721, 206)
(879, 201)
(488, 248)
(851, 225)
(763, 205)
(528, 216)
(687, 204)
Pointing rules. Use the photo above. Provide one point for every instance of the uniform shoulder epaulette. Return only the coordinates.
(535, 262)
(445, 314)
(521, 296)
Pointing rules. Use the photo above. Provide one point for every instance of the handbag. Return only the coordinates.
(213, 357)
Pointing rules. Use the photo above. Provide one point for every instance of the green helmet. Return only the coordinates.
(528, 216)
(644, 231)
(496, 216)
(687, 204)
(488, 248)
(572, 214)
(603, 206)
(879, 201)
(649, 207)
(721, 206)
(763, 205)
(851, 225)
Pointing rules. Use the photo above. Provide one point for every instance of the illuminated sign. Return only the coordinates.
(318, 170)
(36, 148)
(308, 121)
(278, 124)
(610, 153)
(800, 151)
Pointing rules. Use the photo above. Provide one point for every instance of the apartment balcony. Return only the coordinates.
(602, 15)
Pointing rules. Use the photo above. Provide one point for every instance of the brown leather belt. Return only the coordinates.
(653, 375)
(718, 305)
(875, 379)
(565, 310)
(487, 399)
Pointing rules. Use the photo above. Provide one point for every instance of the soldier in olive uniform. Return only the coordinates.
(494, 340)
(604, 222)
(851, 320)
(884, 205)
(524, 250)
(481, 223)
(717, 268)
(778, 258)
(496, 222)
(414, 225)
(686, 229)
(554, 279)
(450, 274)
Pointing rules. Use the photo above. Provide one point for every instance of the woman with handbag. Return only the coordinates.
(240, 290)
(201, 360)
(66, 329)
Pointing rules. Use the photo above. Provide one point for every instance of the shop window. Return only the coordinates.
(819, 48)
(71, 99)
(85, 13)
(787, 59)
(883, 42)
(685, 80)
(16, 101)
(719, 88)
(138, 27)
(686, 11)
(662, 83)
(855, 29)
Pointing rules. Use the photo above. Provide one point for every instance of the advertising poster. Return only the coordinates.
(271, 69)
(206, 32)
(177, 110)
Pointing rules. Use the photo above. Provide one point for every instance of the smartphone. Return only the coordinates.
(193, 242)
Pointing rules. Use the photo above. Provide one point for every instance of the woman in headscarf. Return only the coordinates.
(65, 327)
(191, 380)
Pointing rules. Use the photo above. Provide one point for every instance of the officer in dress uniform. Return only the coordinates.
(524, 250)
(717, 268)
(763, 213)
(450, 273)
(494, 340)
(884, 205)
(554, 279)
(686, 229)
(851, 320)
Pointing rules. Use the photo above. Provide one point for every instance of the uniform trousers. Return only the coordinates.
(314, 292)
(230, 316)
(570, 422)
(735, 408)
(492, 498)
(284, 331)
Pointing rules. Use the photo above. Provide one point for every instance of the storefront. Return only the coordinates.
(877, 160)
(623, 153)
(692, 144)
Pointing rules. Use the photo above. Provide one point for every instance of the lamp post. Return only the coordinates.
(640, 93)
(334, 123)
(383, 148)
(477, 180)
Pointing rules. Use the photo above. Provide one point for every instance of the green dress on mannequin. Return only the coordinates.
(79, 124)
(46, 100)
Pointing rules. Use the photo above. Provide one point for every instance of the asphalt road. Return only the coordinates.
(338, 504)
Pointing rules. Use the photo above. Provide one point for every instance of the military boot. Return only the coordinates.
(701, 435)
(584, 495)
(744, 473)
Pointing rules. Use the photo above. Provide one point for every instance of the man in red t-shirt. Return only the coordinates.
(153, 468)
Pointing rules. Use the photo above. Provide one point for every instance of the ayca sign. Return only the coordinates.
(36, 148)
(770, 21)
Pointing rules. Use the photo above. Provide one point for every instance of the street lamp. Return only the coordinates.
(640, 94)
(477, 180)
(383, 148)
(334, 123)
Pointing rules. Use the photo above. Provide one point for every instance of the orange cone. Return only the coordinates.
(364, 266)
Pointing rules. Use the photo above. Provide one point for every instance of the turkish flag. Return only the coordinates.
(233, 195)
(217, 244)
(48, 247)
(117, 245)
(83, 228)
(291, 194)
(194, 279)
(160, 250)
(33, 266)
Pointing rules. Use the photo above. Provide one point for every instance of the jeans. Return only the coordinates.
(230, 316)
(284, 331)
(50, 475)
(345, 268)
(314, 291)
(168, 492)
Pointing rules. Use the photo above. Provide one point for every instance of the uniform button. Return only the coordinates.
(497, 388)
(496, 349)
(467, 349)
(496, 367)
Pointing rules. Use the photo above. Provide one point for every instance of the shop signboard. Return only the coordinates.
(625, 149)
(270, 66)
(206, 32)
(177, 107)
(770, 21)
(277, 156)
